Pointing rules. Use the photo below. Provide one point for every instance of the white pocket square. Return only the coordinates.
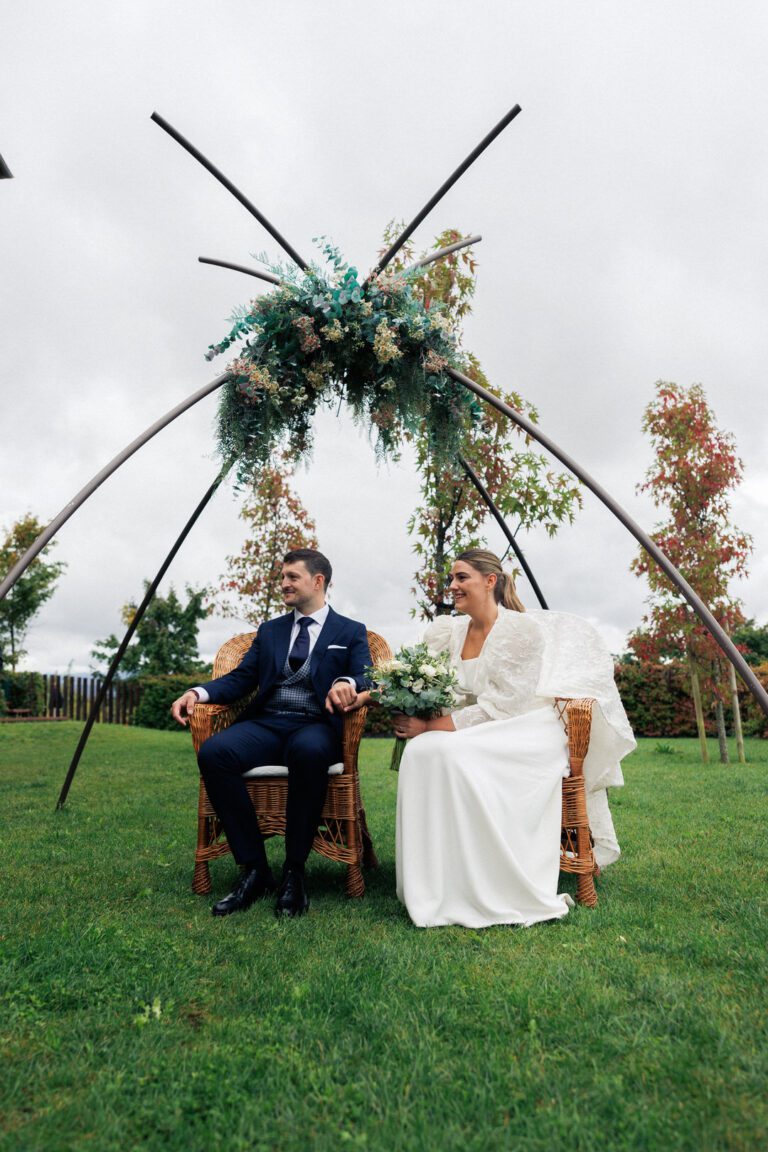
(342, 646)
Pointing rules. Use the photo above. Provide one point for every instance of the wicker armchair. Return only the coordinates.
(576, 855)
(343, 833)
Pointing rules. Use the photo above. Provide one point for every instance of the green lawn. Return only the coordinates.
(130, 1018)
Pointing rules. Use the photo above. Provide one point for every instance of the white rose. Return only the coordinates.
(417, 686)
(428, 670)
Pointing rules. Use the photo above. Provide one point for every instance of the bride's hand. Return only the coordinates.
(406, 727)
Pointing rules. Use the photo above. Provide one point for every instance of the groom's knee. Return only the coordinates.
(206, 756)
(310, 748)
(215, 756)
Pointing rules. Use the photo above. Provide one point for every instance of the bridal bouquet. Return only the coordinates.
(417, 683)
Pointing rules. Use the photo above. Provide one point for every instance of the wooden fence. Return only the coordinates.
(71, 698)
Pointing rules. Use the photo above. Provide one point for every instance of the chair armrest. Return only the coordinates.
(576, 716)
(354, 723)
(207, 719)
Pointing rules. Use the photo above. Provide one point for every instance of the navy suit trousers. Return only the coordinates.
(306, 746)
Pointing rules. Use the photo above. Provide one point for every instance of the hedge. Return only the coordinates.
(157, 693)
(23, 690)
(657, 700)
(378, 722)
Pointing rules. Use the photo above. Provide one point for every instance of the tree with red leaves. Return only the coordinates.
(695, 470)
(277, 523)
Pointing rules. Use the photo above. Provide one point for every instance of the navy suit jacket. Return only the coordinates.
(341, 650)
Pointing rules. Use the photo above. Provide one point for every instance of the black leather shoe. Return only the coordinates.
(292, 899)
(251, 886)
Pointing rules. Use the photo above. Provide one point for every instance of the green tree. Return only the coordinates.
(451, 514)
(166, 638)
(753, 639)
(30, 592)
(277, 522)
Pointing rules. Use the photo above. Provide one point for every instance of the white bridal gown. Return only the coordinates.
(479, 809)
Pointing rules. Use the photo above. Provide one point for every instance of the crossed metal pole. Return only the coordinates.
(106, 683)
(487, 499)
(699, 607)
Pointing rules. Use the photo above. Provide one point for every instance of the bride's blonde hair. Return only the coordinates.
(482, 560)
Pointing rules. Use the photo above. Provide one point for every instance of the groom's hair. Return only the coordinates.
(314, 561)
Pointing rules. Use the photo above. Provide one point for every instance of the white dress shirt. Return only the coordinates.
(318, 619)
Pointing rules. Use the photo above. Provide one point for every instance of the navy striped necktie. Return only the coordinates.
(300, 649)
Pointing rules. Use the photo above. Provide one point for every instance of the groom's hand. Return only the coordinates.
(343, 697)
(182, 709)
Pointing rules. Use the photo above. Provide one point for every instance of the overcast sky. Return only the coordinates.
(624, 222)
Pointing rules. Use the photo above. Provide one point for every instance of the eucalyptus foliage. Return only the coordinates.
(324, 337)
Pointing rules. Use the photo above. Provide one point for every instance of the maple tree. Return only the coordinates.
(695, 469)
(451, 513)
(277, 523)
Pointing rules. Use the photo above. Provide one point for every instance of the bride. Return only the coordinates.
(479, 800)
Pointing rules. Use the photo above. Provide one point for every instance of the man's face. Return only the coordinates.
(300, 588)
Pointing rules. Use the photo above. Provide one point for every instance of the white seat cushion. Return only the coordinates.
(281, 770)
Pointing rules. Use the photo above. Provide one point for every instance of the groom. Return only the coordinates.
(307, 668)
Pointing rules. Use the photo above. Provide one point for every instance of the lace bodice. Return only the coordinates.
(502, 681)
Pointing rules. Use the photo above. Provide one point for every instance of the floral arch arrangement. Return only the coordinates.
(324, 337)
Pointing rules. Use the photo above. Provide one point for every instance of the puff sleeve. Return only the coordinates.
(438, 635)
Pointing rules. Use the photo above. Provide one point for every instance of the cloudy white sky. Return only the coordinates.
(625, 229)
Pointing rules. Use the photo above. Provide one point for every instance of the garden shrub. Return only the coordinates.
(753, 719)
(658, 703)
(23, 690)
(378, 722)
(656, 698)
(157, 693)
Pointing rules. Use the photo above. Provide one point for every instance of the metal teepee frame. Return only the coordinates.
(533, 430)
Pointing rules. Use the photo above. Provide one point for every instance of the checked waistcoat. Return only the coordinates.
(293, 693)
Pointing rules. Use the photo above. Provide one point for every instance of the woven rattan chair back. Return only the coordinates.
(231, 654)
(343, 833)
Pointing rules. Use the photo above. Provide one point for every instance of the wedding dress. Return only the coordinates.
(479, 809)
